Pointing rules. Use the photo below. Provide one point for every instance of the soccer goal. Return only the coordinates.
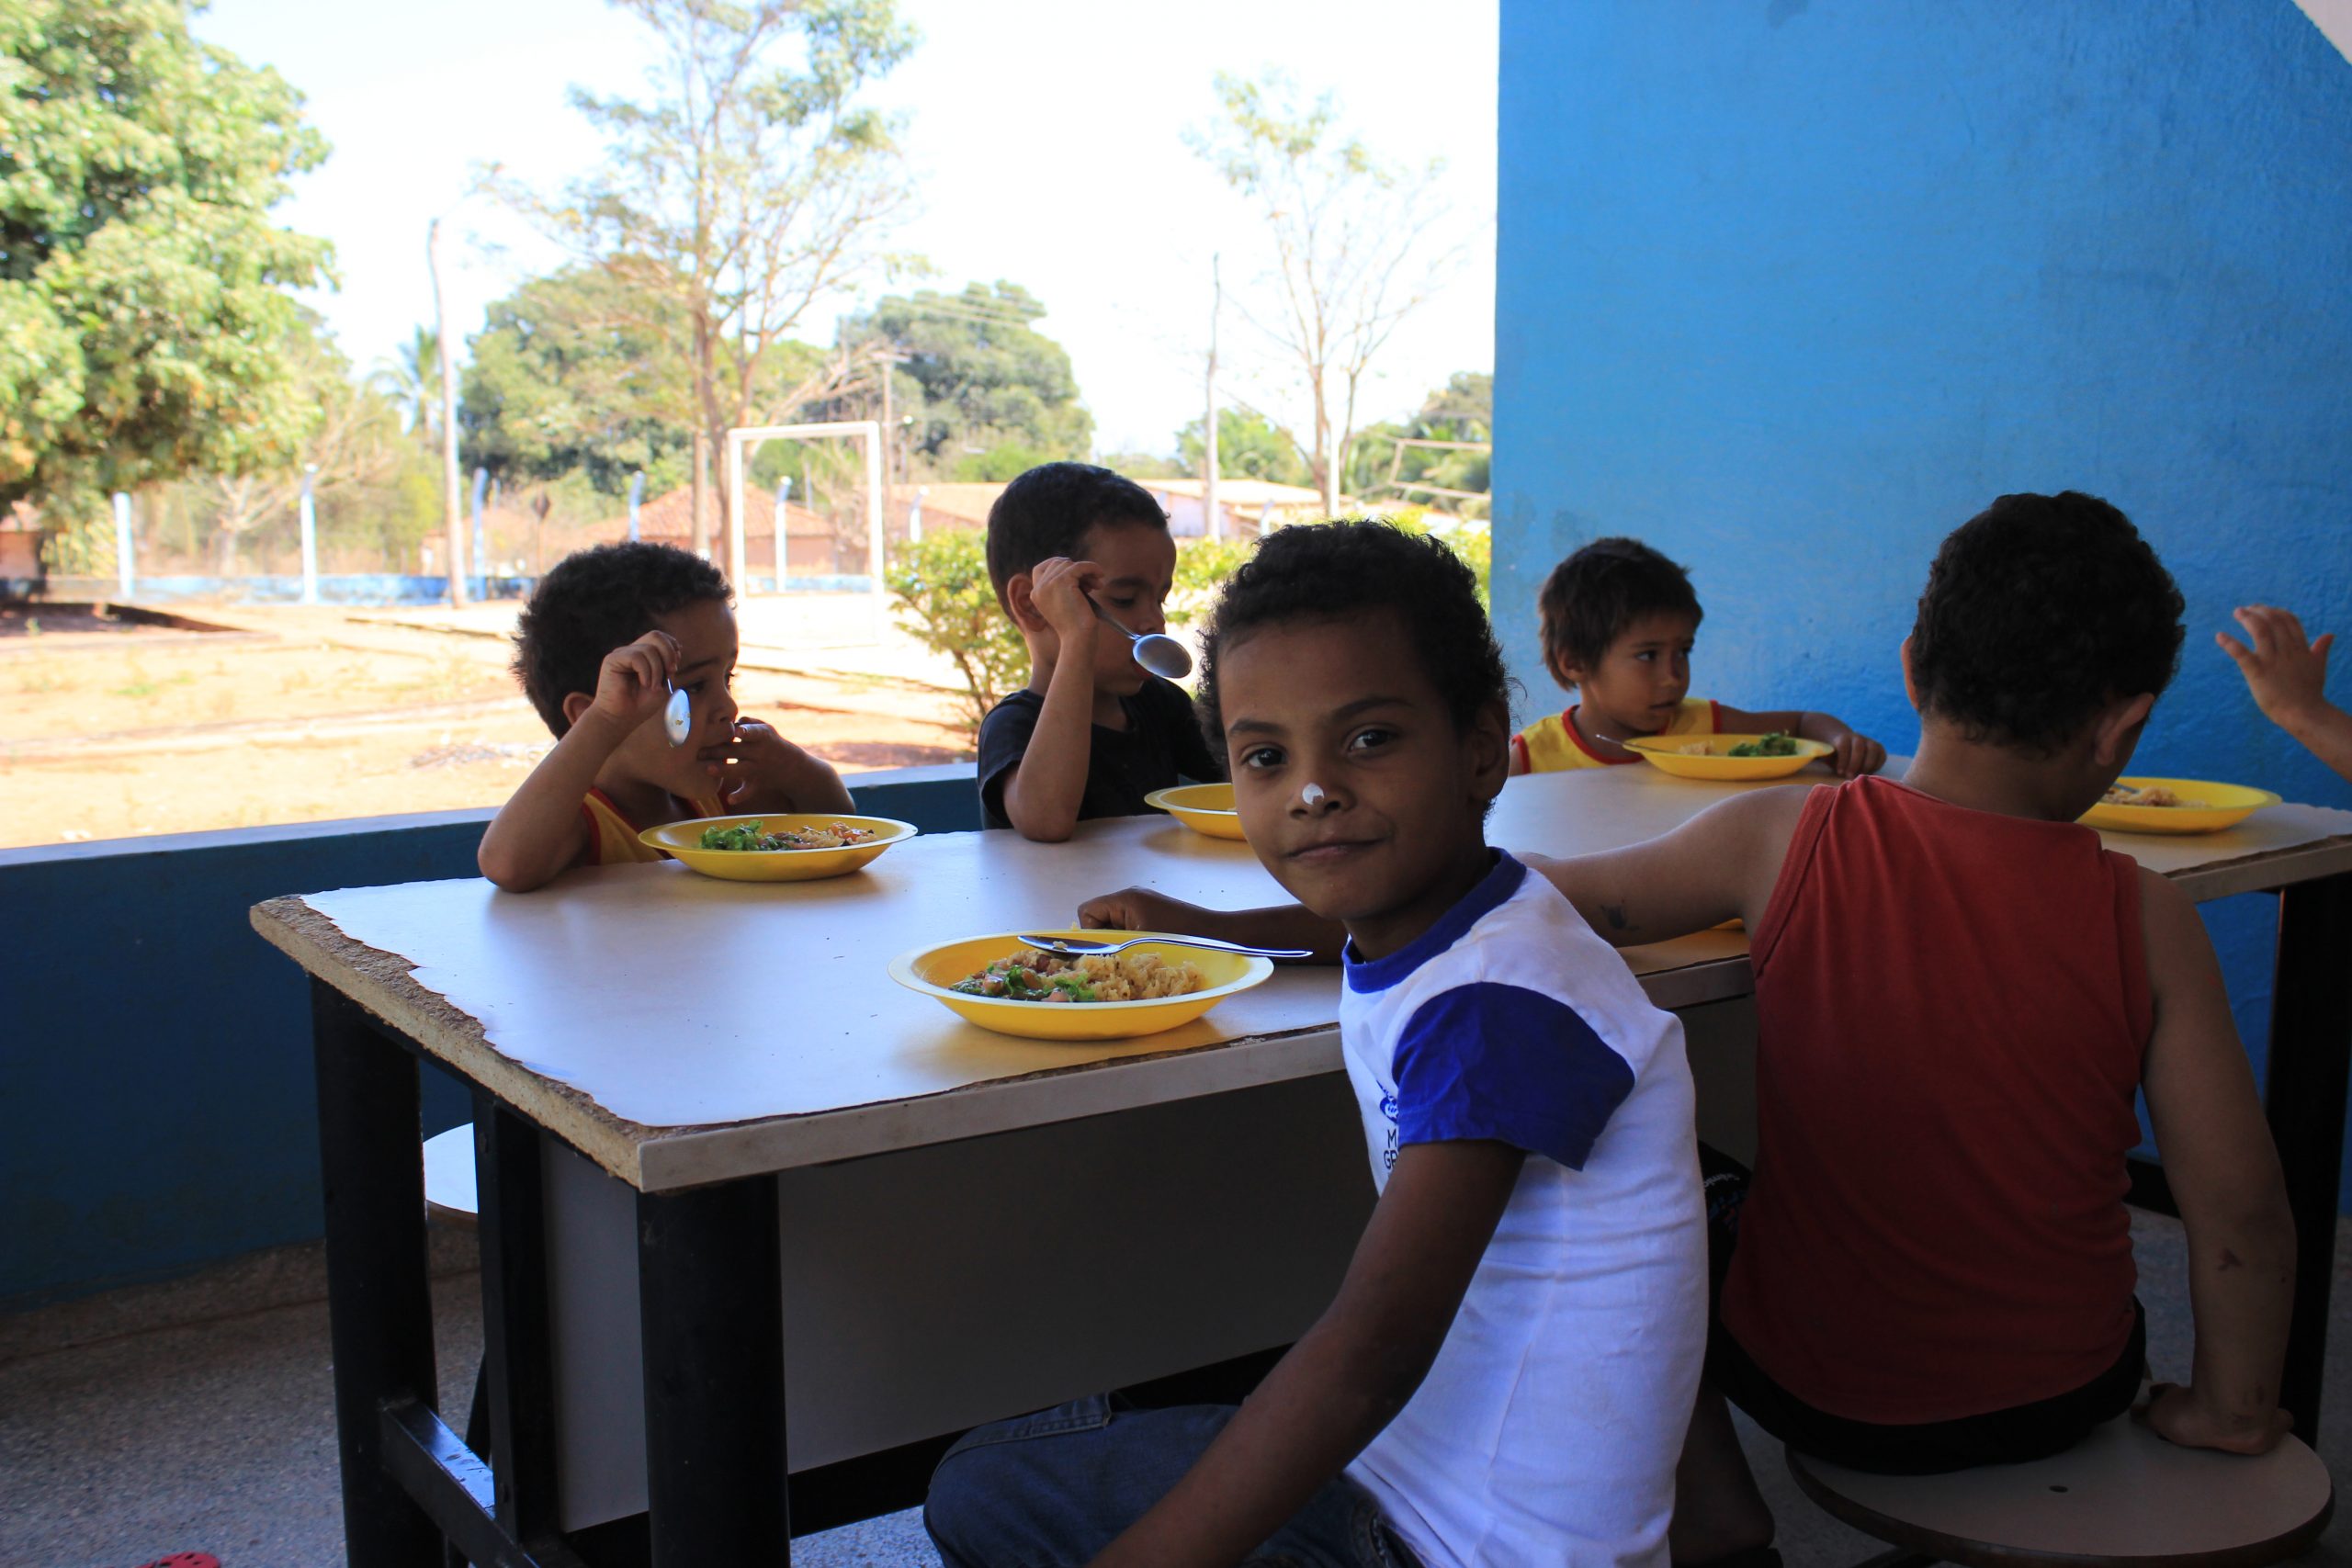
(743, 441)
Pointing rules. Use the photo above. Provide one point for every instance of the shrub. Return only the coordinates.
(939, 586)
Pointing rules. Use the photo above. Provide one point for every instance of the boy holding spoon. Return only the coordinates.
(610, 641)
(1082, 562)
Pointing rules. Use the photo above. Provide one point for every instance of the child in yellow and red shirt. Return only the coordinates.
(605, 637)
(1618, 620)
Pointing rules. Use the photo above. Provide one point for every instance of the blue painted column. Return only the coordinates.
(1793, 293)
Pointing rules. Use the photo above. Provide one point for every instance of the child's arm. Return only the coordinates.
(759, 770)
(2288, 677)
(2224, 1174)
(1720, 865)
(539, 834)
(1349, 1375)
(1850, 755)
(1278, 925)
(1042, 792)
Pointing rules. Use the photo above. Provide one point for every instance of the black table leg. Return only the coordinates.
(2310, 1054)
(379, 1306)
(710, 1297)
(519, 1372)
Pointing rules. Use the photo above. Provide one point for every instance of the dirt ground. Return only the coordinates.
(110, 729)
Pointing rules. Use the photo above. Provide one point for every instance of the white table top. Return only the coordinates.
(680, 1030)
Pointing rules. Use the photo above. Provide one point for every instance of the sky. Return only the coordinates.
(1110, 219)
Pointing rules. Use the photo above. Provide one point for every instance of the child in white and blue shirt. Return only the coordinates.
(1507, 1371)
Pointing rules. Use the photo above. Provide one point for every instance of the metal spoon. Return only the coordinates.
(1162, 656)
(1079, 947)
(678, 717)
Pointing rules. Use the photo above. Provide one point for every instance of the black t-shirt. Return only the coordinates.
(1161, 746)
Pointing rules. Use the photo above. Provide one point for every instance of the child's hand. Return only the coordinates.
(754, 756)
(1852, 755)
(1141, 909)
(2178, 1415)
(632, 683)
(2286, 673)
(1059, 588)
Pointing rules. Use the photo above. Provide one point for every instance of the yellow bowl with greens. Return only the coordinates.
(2189, 805)
(683, 841)
(934, 970)
(1203, 808)
(1709, 756)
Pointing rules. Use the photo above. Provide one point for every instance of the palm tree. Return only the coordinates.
(410, 377)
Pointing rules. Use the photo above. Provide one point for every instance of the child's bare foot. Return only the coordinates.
(1719, 1514)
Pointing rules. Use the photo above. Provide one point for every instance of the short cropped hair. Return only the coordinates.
(1591, 597)
(594, 600)
(2039, 611)
(1346, 571)
(1047, 511)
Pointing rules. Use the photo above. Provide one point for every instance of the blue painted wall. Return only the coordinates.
(1792, 289)
(154, 1052)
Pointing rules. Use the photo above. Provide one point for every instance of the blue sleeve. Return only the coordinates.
(1502, 1062)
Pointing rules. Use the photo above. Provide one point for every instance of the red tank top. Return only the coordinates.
(1950, 1010)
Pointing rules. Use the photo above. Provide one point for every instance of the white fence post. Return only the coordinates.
(125, 568)
(310, 540)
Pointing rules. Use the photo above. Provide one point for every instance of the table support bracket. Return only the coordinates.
(453, 1486)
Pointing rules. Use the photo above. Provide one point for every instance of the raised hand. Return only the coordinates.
(632, 684)
(2286, 673)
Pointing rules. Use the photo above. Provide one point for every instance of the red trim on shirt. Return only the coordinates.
(1715, 715)
(1526, 764)
(1575, 737)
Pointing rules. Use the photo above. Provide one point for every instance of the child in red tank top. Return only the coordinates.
(1959, 991)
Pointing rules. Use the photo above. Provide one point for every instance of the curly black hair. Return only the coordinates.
(1345, 570)
(1046, 511)
(2039, 611)
(1591, 597)
(594, 600)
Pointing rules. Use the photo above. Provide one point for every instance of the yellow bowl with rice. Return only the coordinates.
(933, 971)
(1709, 756)
(683, 841)
(2176, 806)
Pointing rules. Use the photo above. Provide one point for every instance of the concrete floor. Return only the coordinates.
(187, 1417)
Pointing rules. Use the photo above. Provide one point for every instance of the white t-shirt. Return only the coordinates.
(1548, 1427)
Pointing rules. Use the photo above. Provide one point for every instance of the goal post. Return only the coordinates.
(868, 434)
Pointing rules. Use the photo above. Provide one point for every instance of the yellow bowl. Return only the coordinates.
(1204, 807)
(1667, 751)
(684, 840)
(932, 970)
(2219, 805)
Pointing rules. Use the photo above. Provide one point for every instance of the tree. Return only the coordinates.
(144, 292)
(410, 377)
(1249, 446)
(1460, 412)
(989, 395)
(1350, 255)
(352, 439)
(740, 190)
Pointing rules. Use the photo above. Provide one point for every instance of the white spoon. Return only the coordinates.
(678, 717)
(1080, 947)
(1162, 656)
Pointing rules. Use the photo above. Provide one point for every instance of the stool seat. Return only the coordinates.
(2123, 1494)
(449, 1175)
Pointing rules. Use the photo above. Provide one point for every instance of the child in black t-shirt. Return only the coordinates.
(1092, 733)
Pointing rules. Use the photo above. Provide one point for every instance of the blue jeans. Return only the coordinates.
(1053, 1489)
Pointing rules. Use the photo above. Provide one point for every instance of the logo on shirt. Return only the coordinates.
(1388, 1115)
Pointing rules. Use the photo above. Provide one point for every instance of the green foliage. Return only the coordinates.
(939, 587)
(1248, 447)
(582, 370)
(1463, 410)
(989, 394)
(144, 292)
(1474, 542)
(1201, 568)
